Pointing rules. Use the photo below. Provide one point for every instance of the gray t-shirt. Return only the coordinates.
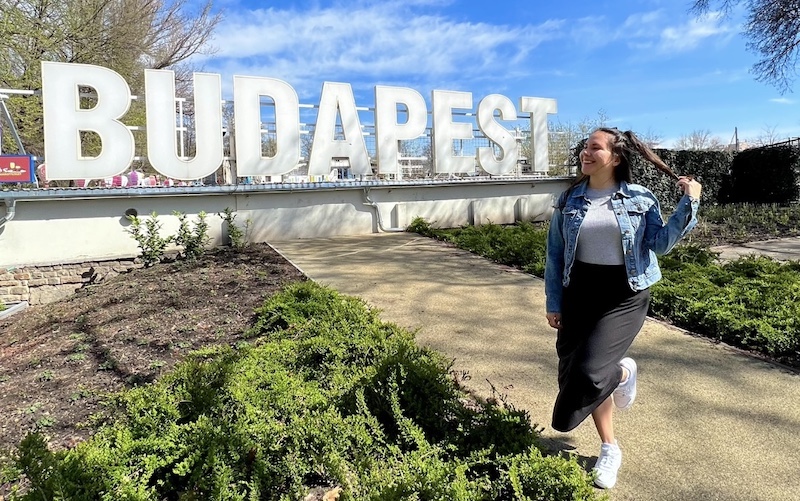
(599, 240)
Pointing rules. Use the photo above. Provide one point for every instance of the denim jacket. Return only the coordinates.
(643, 234)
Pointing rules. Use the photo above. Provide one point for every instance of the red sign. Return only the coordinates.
(16, 169)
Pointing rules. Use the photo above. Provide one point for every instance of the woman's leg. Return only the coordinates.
(603, 420)
(610, 458)
(604, 414)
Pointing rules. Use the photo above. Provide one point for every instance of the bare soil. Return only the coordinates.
(58, 361)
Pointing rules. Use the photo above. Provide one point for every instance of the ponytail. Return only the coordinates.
(635, 144)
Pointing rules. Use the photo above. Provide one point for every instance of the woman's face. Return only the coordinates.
(597, 157)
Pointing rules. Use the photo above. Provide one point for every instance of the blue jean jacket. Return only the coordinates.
(643, 235)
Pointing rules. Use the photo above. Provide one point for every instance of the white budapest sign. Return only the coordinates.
(64, 119)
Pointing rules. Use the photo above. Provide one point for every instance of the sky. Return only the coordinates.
(648, 66)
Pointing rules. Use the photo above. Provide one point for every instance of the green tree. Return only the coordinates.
(126, 36)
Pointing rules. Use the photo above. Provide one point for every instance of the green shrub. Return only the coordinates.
(325, 395)
(419, 225)
(752, 302)
(151, 244)
(765, 175)
(523, 245)
(193, 241)
(711, 168)
(535, 477)
(236, 236)
(731, 223)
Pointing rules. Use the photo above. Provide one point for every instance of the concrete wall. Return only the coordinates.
(49, 227)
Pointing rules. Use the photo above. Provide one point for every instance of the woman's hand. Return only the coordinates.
(554, 319)
(690, 186)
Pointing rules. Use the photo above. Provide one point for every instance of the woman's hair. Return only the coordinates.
(625, 145)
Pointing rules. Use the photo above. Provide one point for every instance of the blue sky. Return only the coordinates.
(650, 66)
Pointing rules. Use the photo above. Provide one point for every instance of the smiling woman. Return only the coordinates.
(601, 261)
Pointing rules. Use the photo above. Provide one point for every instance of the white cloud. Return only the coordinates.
(692, 33)
(647, 32)
(385, 40)
(641, 25)
(782, 100)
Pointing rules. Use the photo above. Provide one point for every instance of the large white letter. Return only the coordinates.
(497, 134)
(64, 120)
(387, 129)
(247, 92)
(338, 96)
(445, 131)
(539, 108)
(162, 119)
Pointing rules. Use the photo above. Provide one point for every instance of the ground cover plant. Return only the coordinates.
(58, 361)
(740, 223)
(752, 303)
(319, 395)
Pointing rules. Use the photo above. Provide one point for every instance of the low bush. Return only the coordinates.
(324, 395)
(192, 240)
(147, 234)
(752, 302)
(737, 223)
(523, 245)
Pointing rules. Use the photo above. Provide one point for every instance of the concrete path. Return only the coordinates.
(710, 423)
(779, 248)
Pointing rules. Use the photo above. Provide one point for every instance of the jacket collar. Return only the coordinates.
(580, 189)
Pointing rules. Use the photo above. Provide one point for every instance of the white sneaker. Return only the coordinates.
(608, 462)
(625, 393)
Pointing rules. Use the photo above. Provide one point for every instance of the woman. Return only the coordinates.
(601, 260)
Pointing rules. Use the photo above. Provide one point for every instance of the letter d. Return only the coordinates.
(64, 120)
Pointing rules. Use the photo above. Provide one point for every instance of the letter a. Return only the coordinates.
(338, 96)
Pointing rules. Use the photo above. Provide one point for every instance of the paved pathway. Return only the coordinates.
(780, 248)
(710, 423)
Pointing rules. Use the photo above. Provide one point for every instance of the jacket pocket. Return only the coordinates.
(636, 215)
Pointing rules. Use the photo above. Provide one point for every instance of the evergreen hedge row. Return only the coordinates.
(764, 175)
(325, 397)
(757, 175)
(710, 168)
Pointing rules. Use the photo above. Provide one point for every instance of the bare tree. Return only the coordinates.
(773, 31)
(650, 137)
(699, 139)
(126, 36)
(769, 135)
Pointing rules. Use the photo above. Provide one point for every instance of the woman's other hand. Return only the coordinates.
(690, 186)
(554, 319)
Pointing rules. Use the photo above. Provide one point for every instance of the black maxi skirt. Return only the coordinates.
(600, 317)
